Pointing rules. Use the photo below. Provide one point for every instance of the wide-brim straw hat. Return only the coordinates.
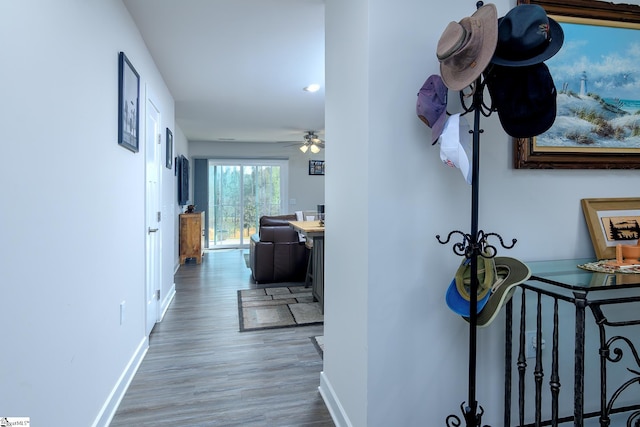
(458, 295)
(465, 48)
(510, 273)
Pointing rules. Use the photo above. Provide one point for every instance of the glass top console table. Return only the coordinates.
(606, 295)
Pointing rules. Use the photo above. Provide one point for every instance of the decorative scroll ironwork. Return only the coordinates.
(483, 108)
(616, 349)
(634, 416)
(471, 417)
(611, 350)
(613, 345)
(469, 246)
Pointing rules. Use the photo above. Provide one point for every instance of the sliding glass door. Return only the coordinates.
(240, 192)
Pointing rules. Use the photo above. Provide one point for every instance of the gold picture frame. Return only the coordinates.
(566, 146)
(611, 222)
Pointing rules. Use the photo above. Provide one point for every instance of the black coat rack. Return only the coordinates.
(473, 245)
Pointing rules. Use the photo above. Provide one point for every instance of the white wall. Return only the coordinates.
(72, 220)
(307, 190)
(395, 354)
(348, 229)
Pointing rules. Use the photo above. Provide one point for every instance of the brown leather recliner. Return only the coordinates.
(276, 253)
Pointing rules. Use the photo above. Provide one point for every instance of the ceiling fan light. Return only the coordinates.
(315, 149)
(304, 148)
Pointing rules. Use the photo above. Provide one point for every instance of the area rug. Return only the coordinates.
(318, 343)
(281, 307)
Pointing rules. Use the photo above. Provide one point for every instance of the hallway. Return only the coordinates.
(200, 371)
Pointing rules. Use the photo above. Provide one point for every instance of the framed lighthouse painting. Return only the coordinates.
(597, 78)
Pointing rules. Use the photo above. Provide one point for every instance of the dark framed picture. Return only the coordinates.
(169, 154)
(128, 104)
(597, 124)
(316, 167)
(183, 180)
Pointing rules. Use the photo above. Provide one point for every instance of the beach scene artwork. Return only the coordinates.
(597, 77)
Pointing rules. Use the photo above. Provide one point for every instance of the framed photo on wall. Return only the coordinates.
(169, 153)
(316, 167)
(183, 180)
(128, 104)
(596, 75)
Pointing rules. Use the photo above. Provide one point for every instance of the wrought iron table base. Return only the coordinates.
(611, 351)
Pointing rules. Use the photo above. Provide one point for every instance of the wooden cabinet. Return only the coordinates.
(191, 236)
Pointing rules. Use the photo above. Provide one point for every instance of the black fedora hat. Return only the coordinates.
(524, 97)
(527, 36)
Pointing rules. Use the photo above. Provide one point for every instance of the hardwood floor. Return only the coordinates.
(200, 371)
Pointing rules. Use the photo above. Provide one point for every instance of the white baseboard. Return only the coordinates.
(115, 397)
(166, 302)
(340, 418)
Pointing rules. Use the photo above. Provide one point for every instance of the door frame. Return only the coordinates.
(153, 253)
(283, 164)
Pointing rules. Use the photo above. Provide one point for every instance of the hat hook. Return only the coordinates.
(469, 246)
(477, 90)
(477, 96)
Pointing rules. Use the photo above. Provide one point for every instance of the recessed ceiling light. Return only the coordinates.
(312, 87)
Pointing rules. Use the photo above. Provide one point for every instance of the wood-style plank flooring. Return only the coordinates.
(201, 371)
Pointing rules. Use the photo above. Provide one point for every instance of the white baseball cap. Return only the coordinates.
(456, 148)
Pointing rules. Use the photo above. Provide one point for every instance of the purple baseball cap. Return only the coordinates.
(431, 106)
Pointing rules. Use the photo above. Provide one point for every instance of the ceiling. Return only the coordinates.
(237, 68)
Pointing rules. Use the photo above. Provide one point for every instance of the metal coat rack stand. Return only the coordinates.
(473, 245)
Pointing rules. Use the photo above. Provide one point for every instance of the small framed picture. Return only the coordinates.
(612, 222)
(316, 167)
(169, 154)
(128, 104)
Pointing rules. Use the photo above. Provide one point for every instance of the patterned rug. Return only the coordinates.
(281, 307)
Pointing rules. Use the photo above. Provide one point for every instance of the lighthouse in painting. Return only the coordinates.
(583, 84)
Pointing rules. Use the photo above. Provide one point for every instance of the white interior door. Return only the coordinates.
(153, 230)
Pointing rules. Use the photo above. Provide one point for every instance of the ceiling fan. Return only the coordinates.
(311, 142)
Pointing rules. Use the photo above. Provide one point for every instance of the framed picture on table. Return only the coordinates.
(597, 78)
(612, 222)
